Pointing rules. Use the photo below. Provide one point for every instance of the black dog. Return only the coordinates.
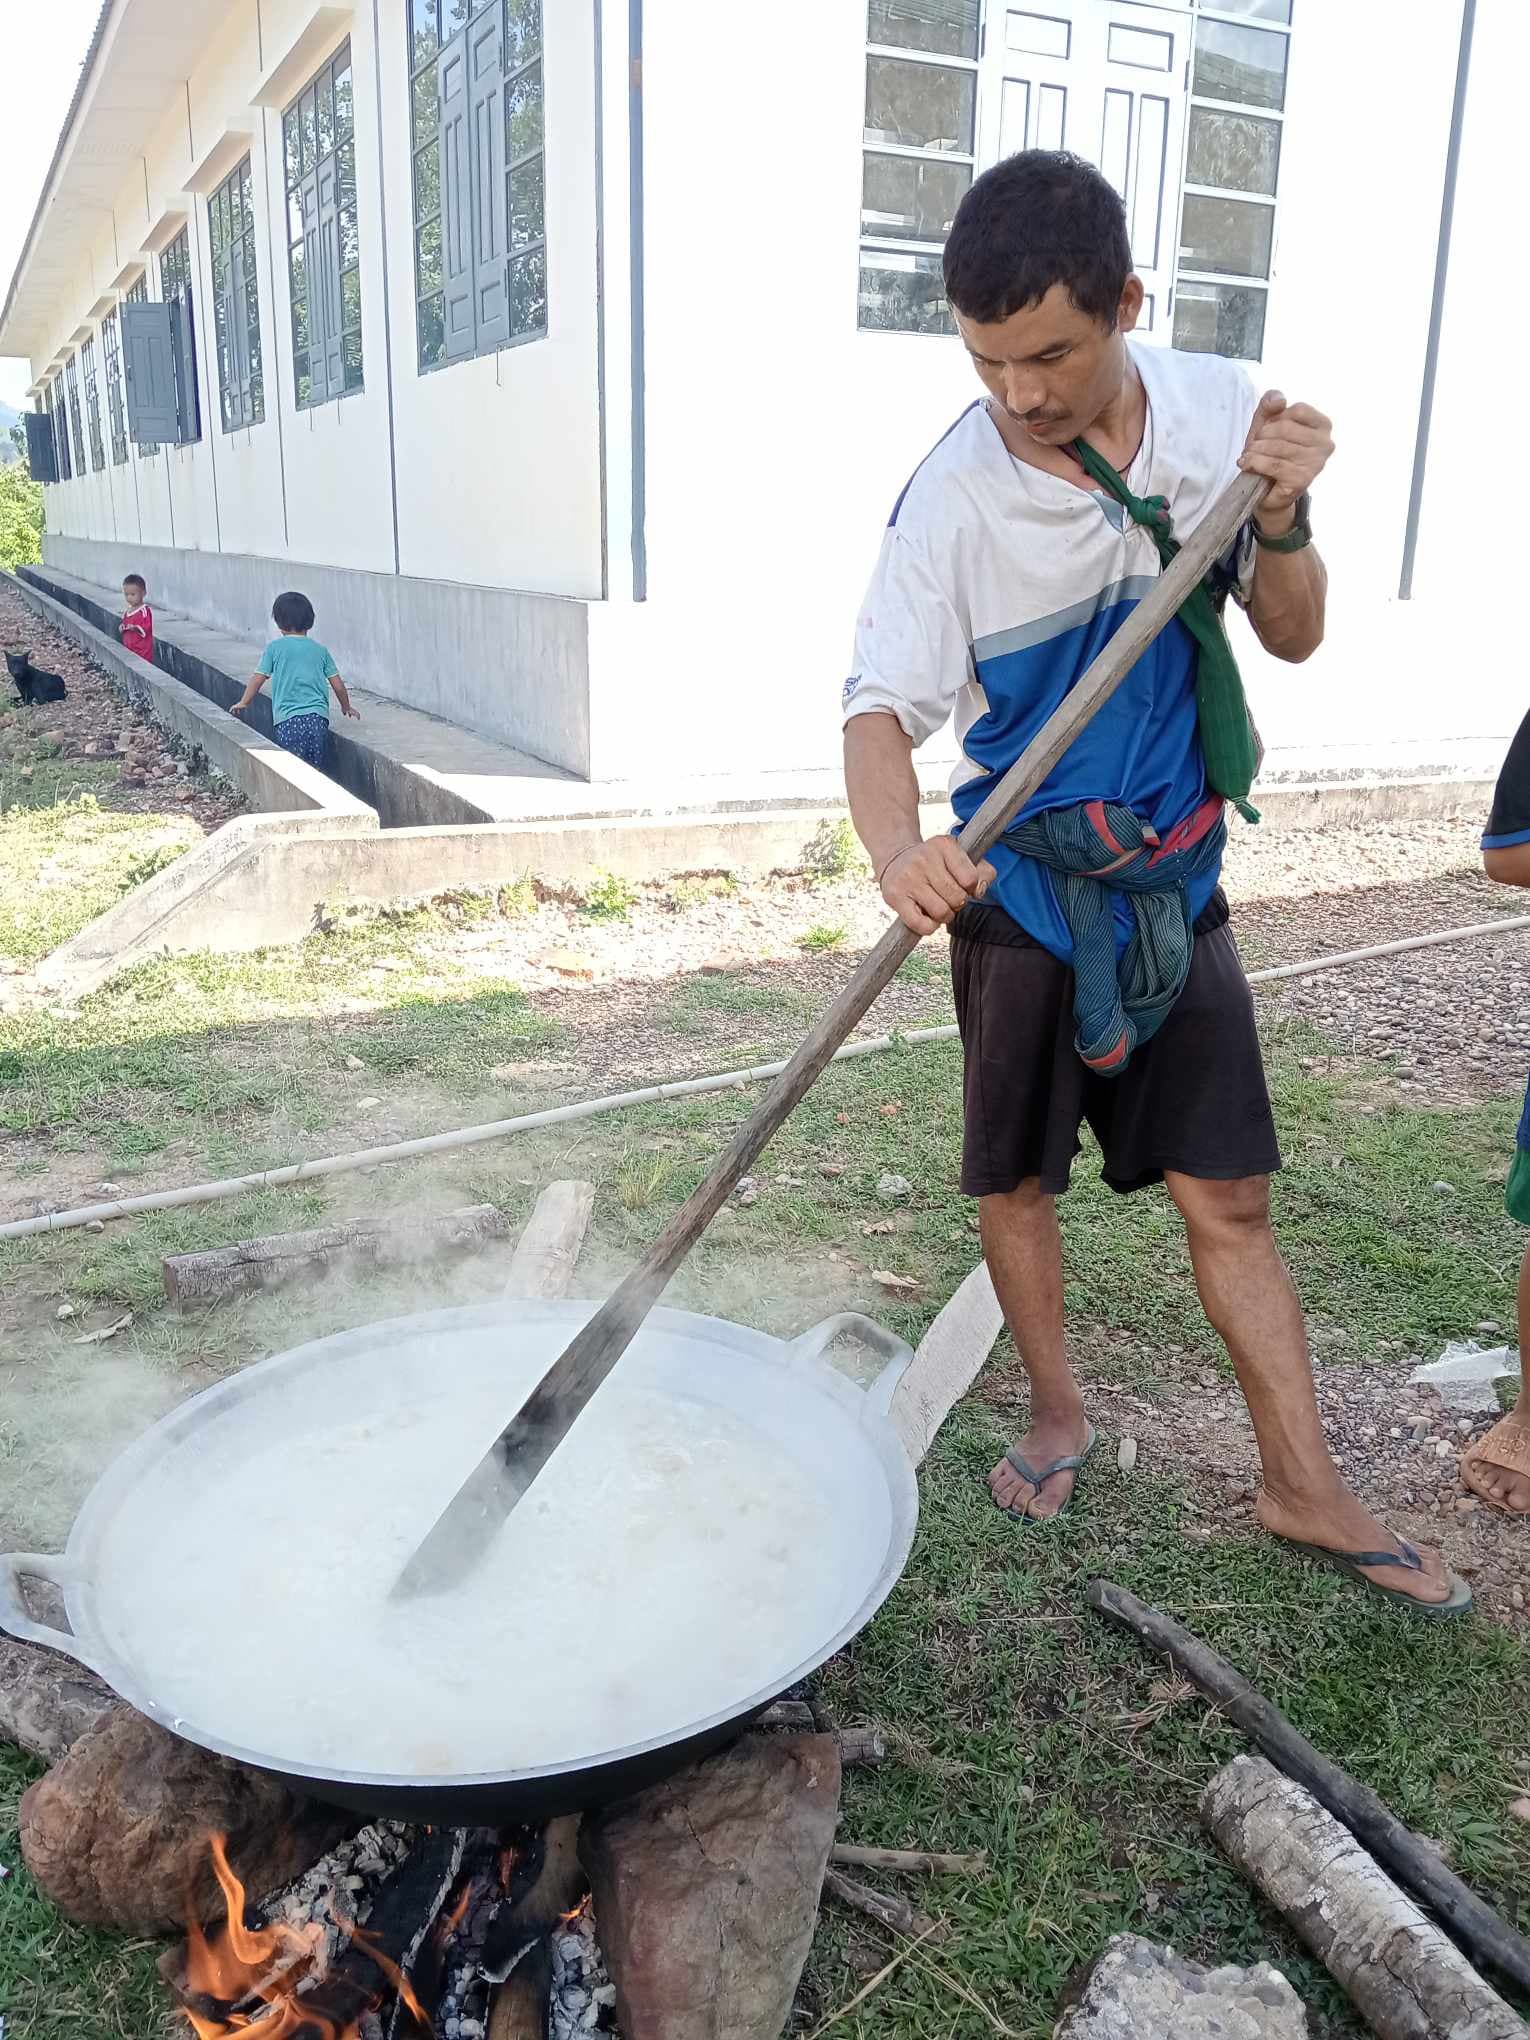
(32, 684)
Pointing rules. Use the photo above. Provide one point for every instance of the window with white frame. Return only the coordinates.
(1179, 103)
(323, 235)
(480, 197)
(236, 300)
(1232, 166)
(92, 404)
(919, 142)
(111, 349)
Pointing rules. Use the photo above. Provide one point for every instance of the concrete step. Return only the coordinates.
(414, 769)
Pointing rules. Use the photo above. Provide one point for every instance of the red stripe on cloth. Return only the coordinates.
(1095, 809)
(1116, 1057)
(1191, 830)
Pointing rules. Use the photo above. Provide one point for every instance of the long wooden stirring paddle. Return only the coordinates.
(499, 1481)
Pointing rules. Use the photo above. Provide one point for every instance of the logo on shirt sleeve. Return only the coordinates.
(848, 692)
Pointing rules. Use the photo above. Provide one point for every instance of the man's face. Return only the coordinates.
(1052, 367)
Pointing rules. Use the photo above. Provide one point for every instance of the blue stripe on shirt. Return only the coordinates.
(1142, 748)
(1506, 842)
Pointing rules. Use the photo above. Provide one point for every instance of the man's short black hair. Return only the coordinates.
(292, 611)
(1036, 219)
(136, 581)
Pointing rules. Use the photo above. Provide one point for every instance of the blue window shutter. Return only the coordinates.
(457, 255)
(183, 340)
(40, 448)
(490, 251)
(148, 366)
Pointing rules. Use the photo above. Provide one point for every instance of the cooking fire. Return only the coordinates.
(397, 1934)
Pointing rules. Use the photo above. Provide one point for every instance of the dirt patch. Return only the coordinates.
(124, 760)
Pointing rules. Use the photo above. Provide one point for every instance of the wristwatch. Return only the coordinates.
(1298, 536)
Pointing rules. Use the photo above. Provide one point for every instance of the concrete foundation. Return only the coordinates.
(513, 667)
(412, 768)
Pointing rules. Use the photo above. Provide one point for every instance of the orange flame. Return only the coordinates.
(267, 1964)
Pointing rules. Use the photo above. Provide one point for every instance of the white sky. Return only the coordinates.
(44, 48)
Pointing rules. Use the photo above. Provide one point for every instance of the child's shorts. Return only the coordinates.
(306, 737)
(1517, 1195)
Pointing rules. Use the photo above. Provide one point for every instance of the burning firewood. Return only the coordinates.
(521, 2007)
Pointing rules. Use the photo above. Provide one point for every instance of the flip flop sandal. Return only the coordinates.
(1504, 1449)
(1038, 1476)
(1351, 1562)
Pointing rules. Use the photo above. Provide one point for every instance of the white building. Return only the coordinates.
(570, 353)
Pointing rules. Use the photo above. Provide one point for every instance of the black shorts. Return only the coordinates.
(1193, 1099)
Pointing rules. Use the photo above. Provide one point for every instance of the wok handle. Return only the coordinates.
(15, 1566)
(896, 1352)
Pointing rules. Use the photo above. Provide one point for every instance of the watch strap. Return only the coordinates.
(1297, 538)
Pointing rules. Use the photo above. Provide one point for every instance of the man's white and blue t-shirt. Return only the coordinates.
(997, 586)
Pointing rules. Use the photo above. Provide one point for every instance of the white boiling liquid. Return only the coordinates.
(669, 1563)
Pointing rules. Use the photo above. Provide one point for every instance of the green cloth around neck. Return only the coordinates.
(1228, 743)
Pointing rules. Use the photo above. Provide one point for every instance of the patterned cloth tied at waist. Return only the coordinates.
(1100, 849)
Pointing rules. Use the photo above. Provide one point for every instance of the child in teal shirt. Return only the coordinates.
(301, 674)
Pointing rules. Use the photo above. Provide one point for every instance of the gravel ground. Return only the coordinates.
(1453, 1023)
(1398, 1447)
(94, 727)
(691, 924)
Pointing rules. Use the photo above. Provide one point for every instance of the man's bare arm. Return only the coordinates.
(923, 882)
(1291, 445)
(1289, 601)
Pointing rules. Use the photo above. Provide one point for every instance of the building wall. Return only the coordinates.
(779, 435)
(484, 476)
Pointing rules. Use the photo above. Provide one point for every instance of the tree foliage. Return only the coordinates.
(21, 517)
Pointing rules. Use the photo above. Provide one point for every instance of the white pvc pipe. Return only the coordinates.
(562, 1115)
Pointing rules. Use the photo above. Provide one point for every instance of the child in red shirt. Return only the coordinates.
(137, 627)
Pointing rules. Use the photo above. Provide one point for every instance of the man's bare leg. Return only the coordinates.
(1251, 1303)
(1506, 1485)
(1023, 1248)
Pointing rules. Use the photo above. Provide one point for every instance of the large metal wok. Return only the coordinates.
(836, 1431)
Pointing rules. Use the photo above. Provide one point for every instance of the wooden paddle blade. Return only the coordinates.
(499, 1482)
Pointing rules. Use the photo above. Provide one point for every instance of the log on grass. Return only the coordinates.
(1408, 1979)
(923, 1862)
(223, 1272)
(1416, 1866)
(860, 1746)
(545, 1254)
(47, 1701)
(882, 1906)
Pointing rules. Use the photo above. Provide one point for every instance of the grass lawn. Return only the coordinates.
(59, 1979)
(1019, 1724)
(66, 859)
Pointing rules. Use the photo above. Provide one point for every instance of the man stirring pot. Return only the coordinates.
(1096, 976)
